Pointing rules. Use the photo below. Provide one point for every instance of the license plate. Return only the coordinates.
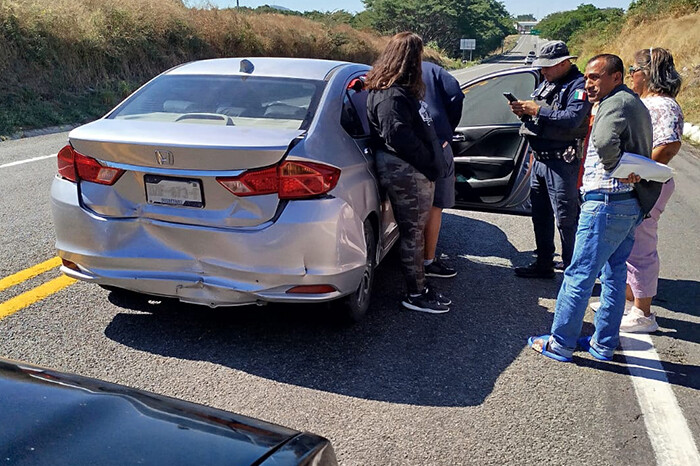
(173, 191)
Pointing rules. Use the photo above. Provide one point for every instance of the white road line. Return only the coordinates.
(20, 162)
(668, 430)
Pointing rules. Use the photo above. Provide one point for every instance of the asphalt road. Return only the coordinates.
(399, 388)
(514, 58)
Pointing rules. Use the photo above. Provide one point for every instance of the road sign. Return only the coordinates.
(535, 32)
(467, 44)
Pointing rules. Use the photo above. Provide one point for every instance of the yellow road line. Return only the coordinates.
(26, 274)
(36, 294)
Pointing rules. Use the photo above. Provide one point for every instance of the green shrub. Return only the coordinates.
(566, 24)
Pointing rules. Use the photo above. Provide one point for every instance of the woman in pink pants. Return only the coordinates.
(657, 82)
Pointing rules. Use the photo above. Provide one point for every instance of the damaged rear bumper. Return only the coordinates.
(313, 242)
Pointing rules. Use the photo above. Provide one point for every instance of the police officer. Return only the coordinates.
(555, 124)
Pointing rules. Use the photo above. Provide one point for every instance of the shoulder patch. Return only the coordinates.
(580, 94)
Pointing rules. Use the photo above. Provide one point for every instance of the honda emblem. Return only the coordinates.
(164, 157)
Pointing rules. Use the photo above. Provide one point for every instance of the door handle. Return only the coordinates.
(458, 137)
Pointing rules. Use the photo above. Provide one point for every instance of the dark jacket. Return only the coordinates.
(622, 124)
(396, 126)
(444, 98)
(563, 116)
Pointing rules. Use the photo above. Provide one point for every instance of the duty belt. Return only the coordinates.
(568, 154)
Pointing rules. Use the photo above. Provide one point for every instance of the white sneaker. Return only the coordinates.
(637, 322)
(595, 305)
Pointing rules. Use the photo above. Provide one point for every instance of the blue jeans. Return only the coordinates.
(604, 239)
(553, 195)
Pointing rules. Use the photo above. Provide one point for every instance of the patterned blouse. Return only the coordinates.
(666, 119)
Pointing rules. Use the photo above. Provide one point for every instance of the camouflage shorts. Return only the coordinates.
(411, 196)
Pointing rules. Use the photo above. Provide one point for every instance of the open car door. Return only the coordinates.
(491, 158)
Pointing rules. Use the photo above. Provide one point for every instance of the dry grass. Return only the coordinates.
(66, 61)
(680, 35)
(510, 41)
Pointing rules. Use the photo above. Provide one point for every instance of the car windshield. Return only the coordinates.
(225, 100)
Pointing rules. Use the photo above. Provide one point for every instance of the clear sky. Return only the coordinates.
(539, 8)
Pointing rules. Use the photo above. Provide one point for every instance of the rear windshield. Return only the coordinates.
(225, 100)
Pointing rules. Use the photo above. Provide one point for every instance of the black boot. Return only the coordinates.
(536, 270)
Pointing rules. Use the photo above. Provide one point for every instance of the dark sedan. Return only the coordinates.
(50, 417)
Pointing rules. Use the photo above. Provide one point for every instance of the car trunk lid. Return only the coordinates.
(171, 170)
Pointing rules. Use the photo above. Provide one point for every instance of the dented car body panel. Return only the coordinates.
(224, 249)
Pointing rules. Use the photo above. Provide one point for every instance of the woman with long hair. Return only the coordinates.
(655, 79)
(408, 157)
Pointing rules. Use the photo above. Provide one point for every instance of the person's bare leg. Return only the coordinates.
(640, 303)
(432, 232)
(629, 295)
(644, 304)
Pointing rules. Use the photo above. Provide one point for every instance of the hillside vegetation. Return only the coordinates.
(69, 61)
(565, 24)
(671, 24)
(444, 22)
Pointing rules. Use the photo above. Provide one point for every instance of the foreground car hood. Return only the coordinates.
(49, 417)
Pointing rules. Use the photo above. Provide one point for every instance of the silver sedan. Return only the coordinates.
(228, 182)
(245, 181)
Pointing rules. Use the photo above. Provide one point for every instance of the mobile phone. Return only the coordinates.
(510, 97)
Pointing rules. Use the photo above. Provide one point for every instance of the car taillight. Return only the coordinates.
(76, 167)
(66, 163)
(290, 180)
(252, 183)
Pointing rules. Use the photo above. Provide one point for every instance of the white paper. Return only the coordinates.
(642, 166)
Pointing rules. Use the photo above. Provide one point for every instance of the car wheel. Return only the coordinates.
(356, 304)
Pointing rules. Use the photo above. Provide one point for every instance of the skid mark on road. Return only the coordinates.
(36, 294)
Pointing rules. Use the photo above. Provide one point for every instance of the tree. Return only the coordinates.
(330, 17)
(444, 21)
(527, 17)
(434, 20)
(564, 24)
(488, 22)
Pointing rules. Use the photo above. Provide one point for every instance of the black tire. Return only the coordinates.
(356, 304)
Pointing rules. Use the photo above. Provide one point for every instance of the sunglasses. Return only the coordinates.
(633, 69)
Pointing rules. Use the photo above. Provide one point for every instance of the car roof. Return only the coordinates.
(302, 68)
